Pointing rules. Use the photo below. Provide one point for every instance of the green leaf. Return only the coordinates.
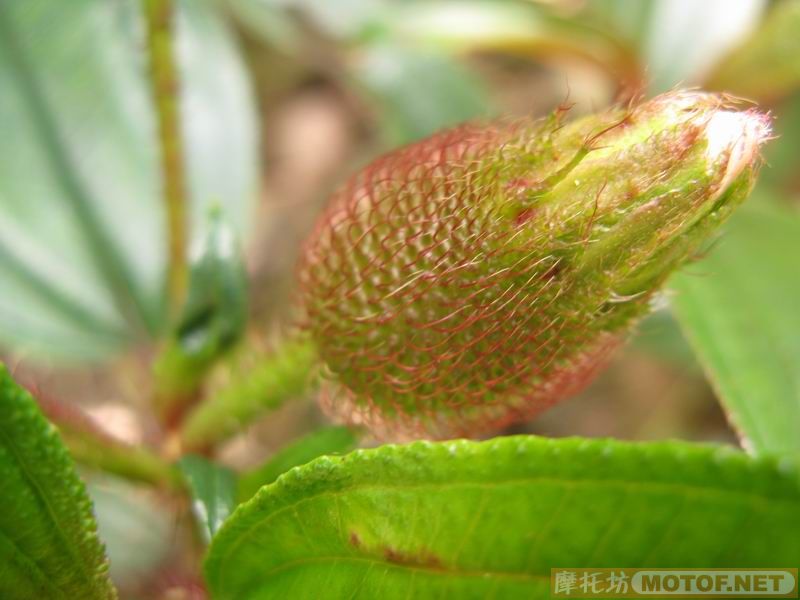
(660, 336)
(489, 519)
(626, 19)
(740, 309)
(781, 153)
(215, 313)
(329, 440)
(765, 66)
(82, 251)
(698, 34)
(213, 489)
(48, 536)
(344, 19)
(525, 29)
(418, 92)
(212, 320)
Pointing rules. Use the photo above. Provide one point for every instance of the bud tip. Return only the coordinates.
(737, 134)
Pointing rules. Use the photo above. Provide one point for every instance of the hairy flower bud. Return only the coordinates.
(479, 276)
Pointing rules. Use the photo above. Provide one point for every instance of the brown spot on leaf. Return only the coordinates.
(423, 558)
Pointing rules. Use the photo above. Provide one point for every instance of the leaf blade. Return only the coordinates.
(58, 549)
(213, 488)
(80, 209)
(466, 519)
(738, 309)
(328, 440)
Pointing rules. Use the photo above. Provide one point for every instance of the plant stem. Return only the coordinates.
(91, 446)
(279, 376)
(159, 16)
(177, 383)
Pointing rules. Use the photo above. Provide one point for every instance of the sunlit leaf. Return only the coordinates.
(48, 536)
(740, 309)
(476, 520)
(82, 248)
(329, 440)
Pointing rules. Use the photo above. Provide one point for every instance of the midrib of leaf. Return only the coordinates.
(688, 490)
(102, 249)
(11, 549)
(371, 562)
(67, 547)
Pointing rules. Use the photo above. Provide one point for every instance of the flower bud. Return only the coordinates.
(479, 276)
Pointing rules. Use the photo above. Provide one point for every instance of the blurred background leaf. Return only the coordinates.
(328, 440)
(82, 250)
(782, 159)
(740, 309)
(213, 491)
(680, 40)
(532, 30)
(766, 65)
(137, 532)
(394, 76)
(213, 318)
(413, 62)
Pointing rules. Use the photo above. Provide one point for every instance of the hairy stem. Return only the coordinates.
(280, 376)
(159, 16)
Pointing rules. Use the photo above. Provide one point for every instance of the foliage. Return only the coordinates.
(493, 517)
(50, 547)
(78, 169)
(740, 311)
(132, 262)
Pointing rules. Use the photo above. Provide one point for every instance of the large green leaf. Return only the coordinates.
(48, 536)
(82, 234)
(740, 309)
(489, 519)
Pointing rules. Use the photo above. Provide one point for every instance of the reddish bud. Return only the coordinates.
(479, 276)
